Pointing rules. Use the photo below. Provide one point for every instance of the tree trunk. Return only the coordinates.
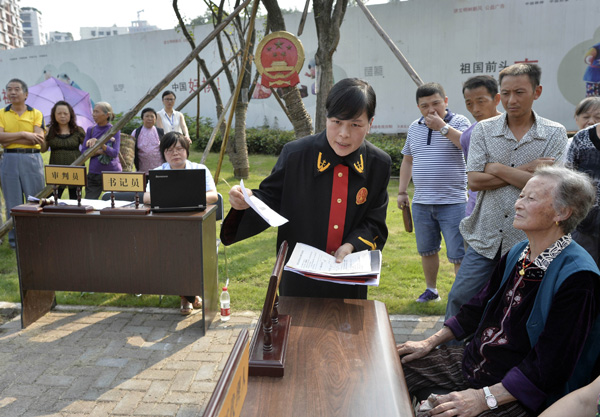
(301, 120)
(299, 117)
(237, 149)
(325, 82)
(328, 19)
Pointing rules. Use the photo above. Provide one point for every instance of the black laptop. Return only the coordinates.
(177, 190)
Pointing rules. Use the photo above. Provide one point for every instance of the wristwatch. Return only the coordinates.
(445, 129)
(491, 401)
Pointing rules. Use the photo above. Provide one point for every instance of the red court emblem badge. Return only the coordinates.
(361, 196)
(279, 58)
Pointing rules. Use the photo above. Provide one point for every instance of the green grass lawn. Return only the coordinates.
(250, 262)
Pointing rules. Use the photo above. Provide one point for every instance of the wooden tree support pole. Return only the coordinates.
(285, 110)
(215, 130)
(303, 19)
(237, 88)
(201, 87)
(135, 110)
(409, 69)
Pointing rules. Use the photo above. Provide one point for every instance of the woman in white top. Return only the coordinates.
(169, 119)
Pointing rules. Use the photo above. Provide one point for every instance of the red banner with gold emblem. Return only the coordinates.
(279, 58)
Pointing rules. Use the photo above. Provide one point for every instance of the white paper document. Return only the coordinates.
(273, 218)
(96, 204)
(308, 259)
(359, 268)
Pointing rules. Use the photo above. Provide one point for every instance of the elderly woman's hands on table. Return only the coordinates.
(409, 351)
(467, 403)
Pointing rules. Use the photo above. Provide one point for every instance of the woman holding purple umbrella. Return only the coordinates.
(64, 138)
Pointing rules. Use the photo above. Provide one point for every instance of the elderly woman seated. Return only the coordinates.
(529, 323)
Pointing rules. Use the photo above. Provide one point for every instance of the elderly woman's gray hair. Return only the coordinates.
(107, 109)
(574, 190)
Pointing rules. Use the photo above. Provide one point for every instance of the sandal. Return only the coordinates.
(197, 304)
(186, 307)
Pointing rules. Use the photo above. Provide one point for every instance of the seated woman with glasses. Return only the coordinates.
(175, 149)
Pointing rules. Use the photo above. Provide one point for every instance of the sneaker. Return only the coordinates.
(428, 295)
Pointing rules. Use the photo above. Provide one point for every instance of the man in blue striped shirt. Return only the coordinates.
(434, 160)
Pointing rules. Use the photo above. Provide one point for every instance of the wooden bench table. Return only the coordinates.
(166, 253)
(341, 361)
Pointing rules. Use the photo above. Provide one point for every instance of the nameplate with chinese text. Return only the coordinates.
(124, 181)
(65, 175)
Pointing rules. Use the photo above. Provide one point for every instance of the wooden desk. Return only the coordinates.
(341, 361)
(167, 253)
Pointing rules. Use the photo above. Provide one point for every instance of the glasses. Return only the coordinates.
(178, 149)
(168, 99)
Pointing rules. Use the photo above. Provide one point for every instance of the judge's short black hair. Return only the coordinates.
(349, 98)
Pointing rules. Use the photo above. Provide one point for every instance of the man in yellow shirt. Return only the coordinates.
(21, 134)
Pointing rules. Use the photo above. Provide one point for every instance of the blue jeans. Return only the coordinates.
(434, 220)
(474, 272)
(22, 174)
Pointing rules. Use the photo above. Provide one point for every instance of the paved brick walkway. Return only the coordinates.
(79, 361)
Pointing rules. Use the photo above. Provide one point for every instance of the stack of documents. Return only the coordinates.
(359, 268)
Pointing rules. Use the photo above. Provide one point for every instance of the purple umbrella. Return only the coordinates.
(44, 95)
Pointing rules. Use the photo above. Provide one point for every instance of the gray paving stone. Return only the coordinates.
(47, 402)
(206, 372)
(136, 385)
(112, 362)
(157, 391)
(191, 410)
(177, 397)
(133, 368)
(106, 377)
(103, 409)
(154, 374)
(183, 380)
(203, 386)
(15, 407)
(156, 409)
(55, 380)
(79, 387)
(128, 403)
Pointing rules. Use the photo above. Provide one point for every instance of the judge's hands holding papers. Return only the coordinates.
(342, 251)
(236, 198)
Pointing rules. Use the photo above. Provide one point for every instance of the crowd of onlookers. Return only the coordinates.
(515, 201)
(524, 243)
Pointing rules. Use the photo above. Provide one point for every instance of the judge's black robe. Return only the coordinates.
(300, 188)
